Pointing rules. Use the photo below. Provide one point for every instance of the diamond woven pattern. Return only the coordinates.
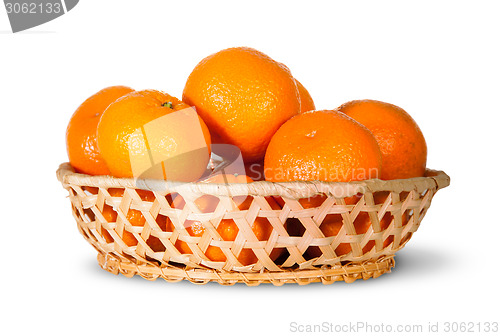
(380, 221)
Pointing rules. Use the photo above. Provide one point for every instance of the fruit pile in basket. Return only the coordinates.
(242, 98)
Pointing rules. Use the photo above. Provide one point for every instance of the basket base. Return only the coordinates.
(326, 274)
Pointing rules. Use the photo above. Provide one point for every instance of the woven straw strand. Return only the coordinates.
(392, 223)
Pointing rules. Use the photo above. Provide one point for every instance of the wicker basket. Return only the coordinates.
(370, 254)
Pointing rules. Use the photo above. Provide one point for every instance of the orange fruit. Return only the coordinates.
(152, 134)
(306, 101)
(227, 228)
(322, 145)
(404, 151)
(135, 218)
(244, 96)
(81, 141)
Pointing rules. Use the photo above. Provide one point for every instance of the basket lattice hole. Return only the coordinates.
(155, 242)
(88, 216)
(90, 190)
(294, 227)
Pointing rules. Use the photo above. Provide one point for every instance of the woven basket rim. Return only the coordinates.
(298, 189)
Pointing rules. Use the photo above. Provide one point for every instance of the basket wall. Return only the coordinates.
(392, 209)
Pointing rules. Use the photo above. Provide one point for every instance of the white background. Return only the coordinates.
(437, 60)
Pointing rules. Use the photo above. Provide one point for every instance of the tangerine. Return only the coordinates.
(306, 101)
(404, 151)
(244, 96)
(81, 133)
(322, 145)
(152, 134)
